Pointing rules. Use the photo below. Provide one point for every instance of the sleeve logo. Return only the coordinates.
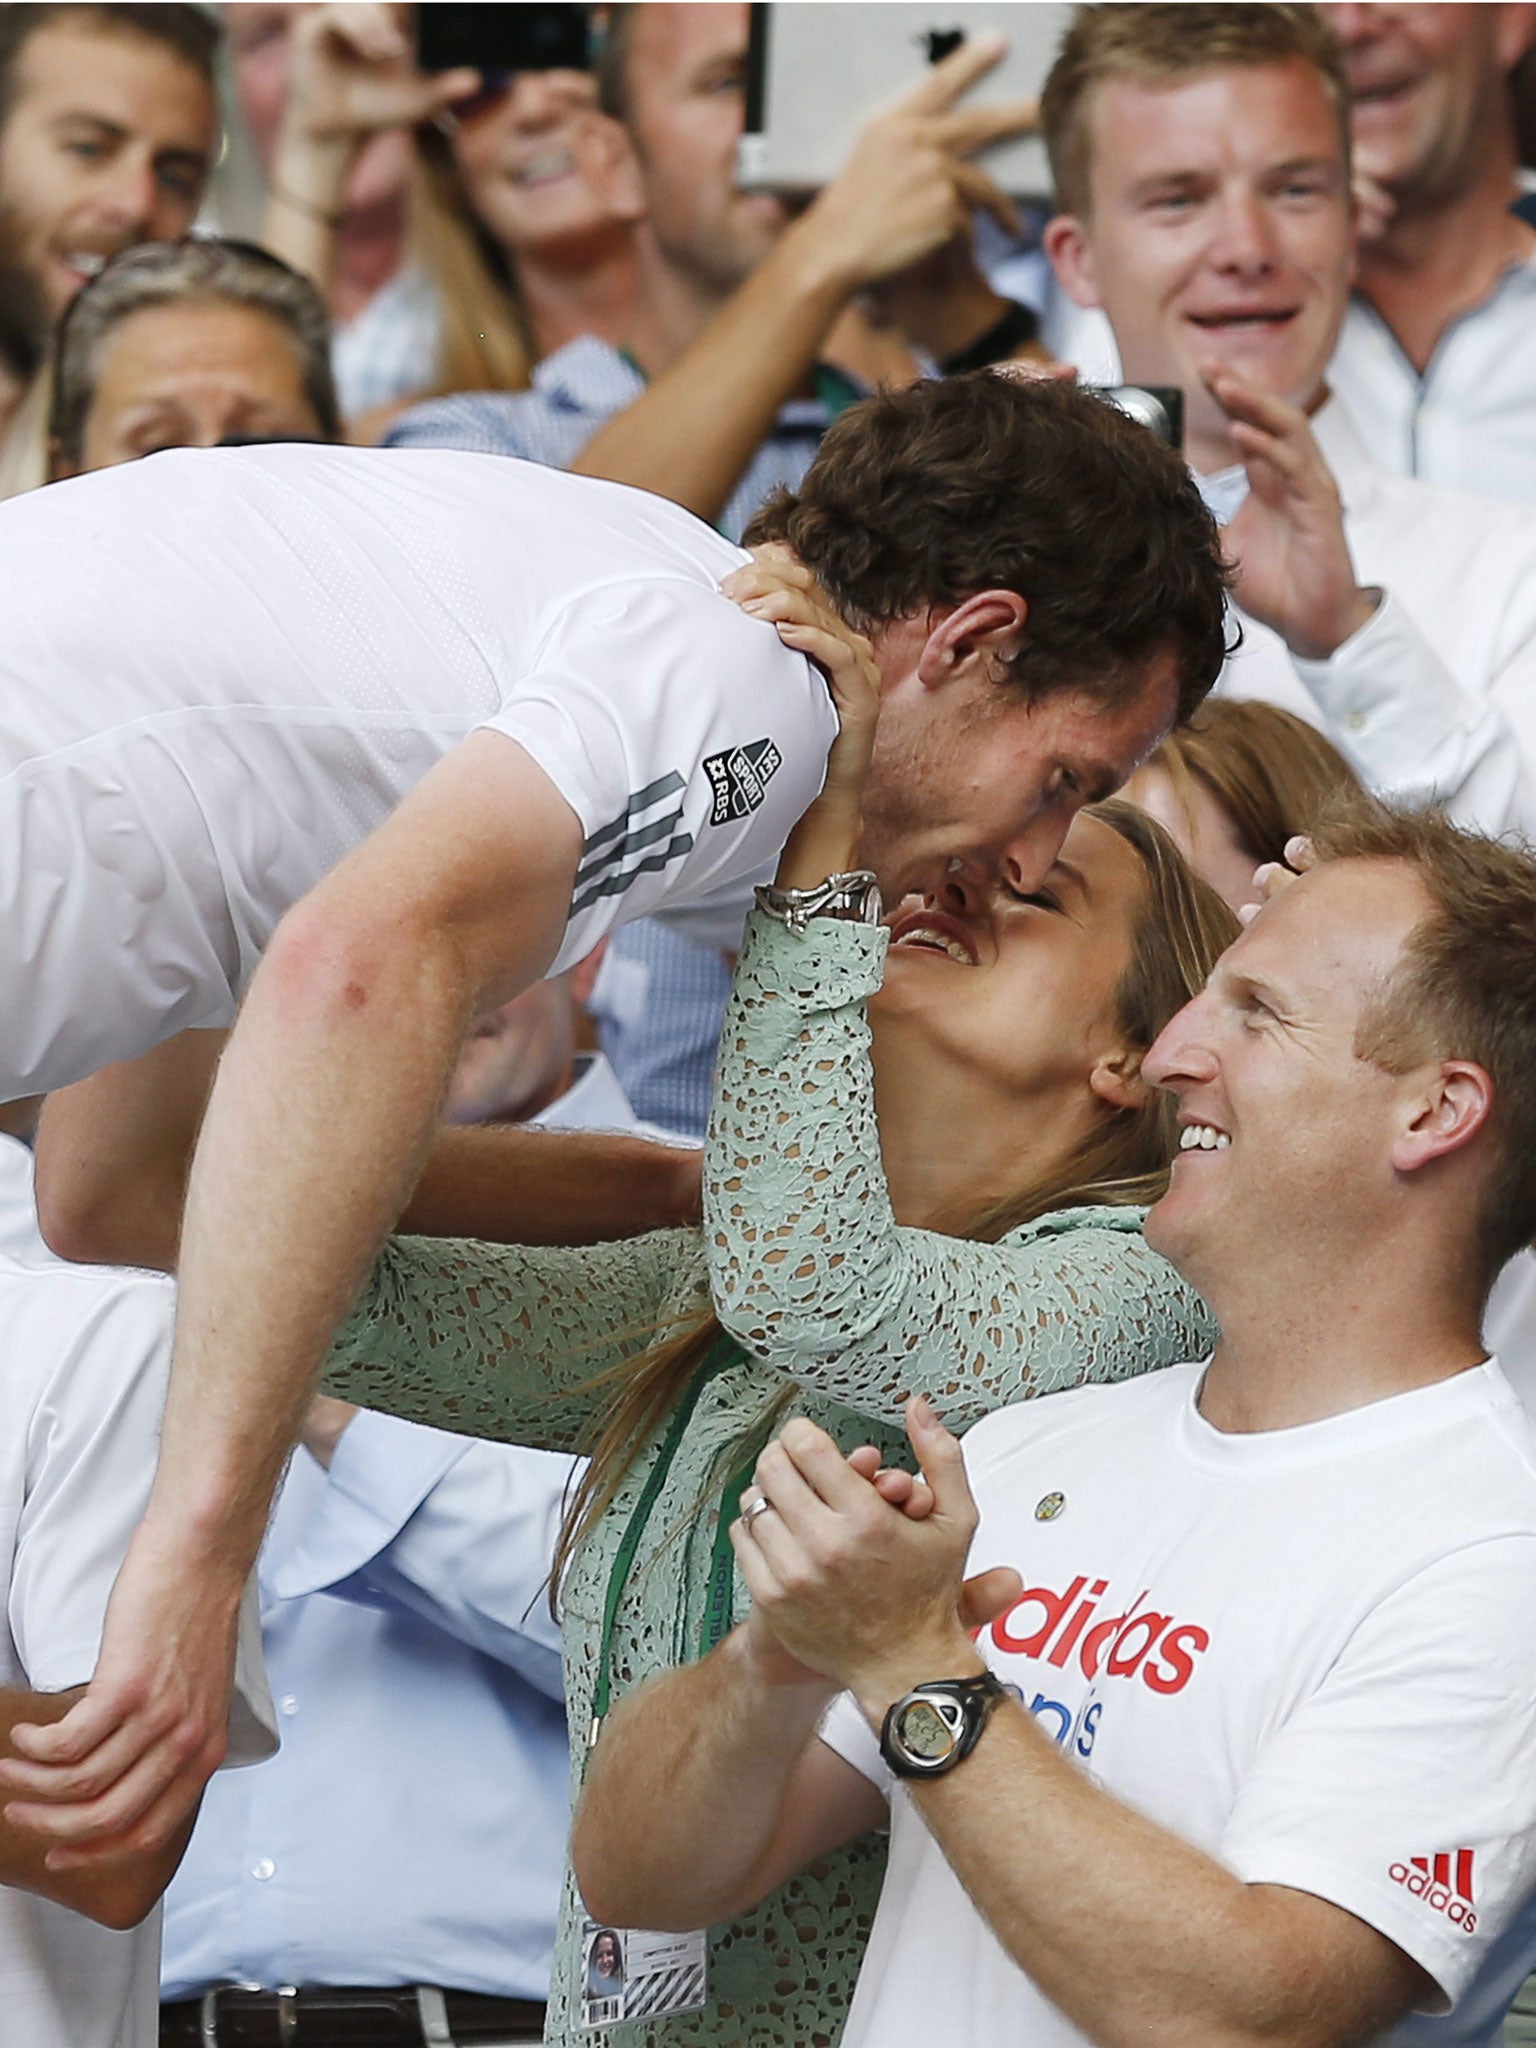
(1431, 1879)
(739, 779)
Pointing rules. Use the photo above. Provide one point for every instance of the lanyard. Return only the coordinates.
(718, 1603)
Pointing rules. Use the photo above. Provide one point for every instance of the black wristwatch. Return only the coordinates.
(936, 1726)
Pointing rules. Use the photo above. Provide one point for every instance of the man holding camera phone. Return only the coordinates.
(721, 391)
(1201, 157)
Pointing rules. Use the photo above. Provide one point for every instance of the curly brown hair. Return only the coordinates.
(984, 482)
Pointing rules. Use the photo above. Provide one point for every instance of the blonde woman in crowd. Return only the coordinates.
(514, 213)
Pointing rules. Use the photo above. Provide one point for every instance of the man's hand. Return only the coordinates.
(849, 1585)
(981, 1599)
(354, 75)
(1287, 540)
(122, 1772)
(906, 188)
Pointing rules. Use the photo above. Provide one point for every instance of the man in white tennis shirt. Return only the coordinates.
(227, 674)
(1246, 1750)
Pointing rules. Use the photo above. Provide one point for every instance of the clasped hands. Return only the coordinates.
(857, 1572)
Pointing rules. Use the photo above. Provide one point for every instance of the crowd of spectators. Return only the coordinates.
(778, 1371)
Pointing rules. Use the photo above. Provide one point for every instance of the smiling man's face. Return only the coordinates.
(1287, 1130)
(106, 143)
(1219, 232)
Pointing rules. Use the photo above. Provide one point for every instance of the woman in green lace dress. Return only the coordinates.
(983, 1246)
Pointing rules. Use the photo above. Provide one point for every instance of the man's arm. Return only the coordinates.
(118, 1894)
(905, 192)
(1391, 705)
(113, 1155)
(1140, 1938)
(324, 1106)
(734, 1733)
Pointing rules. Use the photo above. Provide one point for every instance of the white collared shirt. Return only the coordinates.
(1434, 699)
(1469, 422)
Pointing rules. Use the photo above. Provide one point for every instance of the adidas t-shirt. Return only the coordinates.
(221, 669)
(1308, 1651)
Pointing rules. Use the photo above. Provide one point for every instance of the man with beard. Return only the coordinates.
(108, 118)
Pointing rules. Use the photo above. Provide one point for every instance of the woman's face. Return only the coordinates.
(527, 157)
(1202, 830)
(1015, 995)
(605, 1955)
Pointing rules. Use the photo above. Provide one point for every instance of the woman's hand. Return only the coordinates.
(779, 588)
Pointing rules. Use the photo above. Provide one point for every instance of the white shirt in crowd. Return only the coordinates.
(269, 647)
(1434, 699)
(84, 1355)
(1306, 1651)
(1469, 421)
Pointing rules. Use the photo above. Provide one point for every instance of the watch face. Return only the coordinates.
(924, 1732)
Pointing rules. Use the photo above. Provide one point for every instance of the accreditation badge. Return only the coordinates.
(632, 1973)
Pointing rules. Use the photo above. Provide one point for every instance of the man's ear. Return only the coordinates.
(987, 629)
(1066, 243)
(1118, 1080)
(608, 162)
(1449, 1112)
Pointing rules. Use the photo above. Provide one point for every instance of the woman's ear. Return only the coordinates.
(1117, 1079)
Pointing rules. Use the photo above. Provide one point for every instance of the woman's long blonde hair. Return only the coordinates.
(1182, 926)
(486, 344)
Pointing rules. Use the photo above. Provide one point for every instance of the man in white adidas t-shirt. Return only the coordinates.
(1246, 1748)
(479, 712)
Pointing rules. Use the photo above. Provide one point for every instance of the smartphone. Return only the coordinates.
(815, 74)
(504, 38)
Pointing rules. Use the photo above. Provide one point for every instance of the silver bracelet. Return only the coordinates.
(854, 897)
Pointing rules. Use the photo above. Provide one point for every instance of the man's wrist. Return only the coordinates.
(885, 1677)
(1322, 638)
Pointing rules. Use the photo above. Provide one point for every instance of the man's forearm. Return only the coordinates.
(514, 1186)
(1141, 1939)
(648, 1846)
(690, 435)
(325, 1102)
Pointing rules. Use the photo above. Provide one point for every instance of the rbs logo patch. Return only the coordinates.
(739, 779)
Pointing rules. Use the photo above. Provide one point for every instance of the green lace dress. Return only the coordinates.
(839, 1312)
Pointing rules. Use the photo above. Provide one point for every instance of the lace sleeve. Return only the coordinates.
(811, 1271)
(504, 1341)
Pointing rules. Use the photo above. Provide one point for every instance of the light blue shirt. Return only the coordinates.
(579, 389)
(413, 1828)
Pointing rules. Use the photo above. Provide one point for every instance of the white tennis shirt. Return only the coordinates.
(221, 669)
